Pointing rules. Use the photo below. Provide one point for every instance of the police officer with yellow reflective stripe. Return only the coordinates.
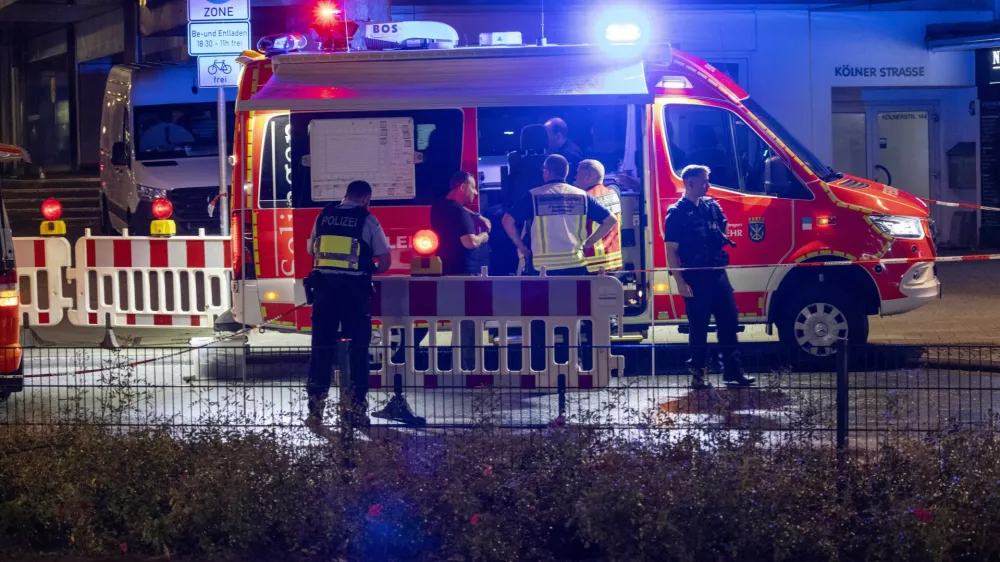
(346, 242)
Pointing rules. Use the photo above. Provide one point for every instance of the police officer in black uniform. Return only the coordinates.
(695, 233)
(346, 243)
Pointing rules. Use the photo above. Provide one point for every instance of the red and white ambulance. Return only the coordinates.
(407, 119)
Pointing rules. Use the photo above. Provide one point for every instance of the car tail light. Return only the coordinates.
(8, 289)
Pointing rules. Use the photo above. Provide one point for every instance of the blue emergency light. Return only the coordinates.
(621, 27)
(281, 43)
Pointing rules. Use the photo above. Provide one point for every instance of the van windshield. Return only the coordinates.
(182, 130)
(823, 171)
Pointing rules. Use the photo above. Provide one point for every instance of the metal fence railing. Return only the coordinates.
(866, 396)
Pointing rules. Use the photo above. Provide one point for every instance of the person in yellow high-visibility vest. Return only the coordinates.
(556, 215)
(607, 252)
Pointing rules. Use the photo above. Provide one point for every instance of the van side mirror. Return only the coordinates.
(119, 157)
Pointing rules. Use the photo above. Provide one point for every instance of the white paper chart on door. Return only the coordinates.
(379, 151)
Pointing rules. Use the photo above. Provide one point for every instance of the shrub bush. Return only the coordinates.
(565, 494)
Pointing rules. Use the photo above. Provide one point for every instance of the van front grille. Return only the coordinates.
(191, 209)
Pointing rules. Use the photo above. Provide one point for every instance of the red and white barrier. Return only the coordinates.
(177, 282)
(498, 304)
(41, 266)
(960, 205)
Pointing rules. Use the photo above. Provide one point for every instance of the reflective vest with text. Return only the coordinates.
(607, 253)
(559, 226)
(338, 245)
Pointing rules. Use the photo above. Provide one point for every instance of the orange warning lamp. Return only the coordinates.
(52, 212)
(425, 243)
(51, 209)
(163, 225)
(162, 208)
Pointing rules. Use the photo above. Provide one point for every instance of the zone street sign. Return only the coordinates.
(218, 38)
(218, 10)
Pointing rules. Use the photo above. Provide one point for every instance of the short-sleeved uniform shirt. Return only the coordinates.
(450, 220)
(372, 234)
(524, 210)
(691, 227)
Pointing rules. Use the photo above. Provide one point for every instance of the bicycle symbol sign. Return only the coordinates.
(220, 66)
(219, 71)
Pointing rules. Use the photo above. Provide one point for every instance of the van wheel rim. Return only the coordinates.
(817, 328)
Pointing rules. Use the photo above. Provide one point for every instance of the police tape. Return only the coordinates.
(837, 263)
(131, 364)
(271, 320)
(959, 205)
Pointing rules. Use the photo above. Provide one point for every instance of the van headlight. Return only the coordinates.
(899, 227)
(149, 193)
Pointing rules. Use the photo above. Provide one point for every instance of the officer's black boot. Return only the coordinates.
(698, 376)
(733, 374)
(358, 415)
(316, 404)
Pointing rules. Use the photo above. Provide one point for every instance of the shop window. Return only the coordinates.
(740, 160)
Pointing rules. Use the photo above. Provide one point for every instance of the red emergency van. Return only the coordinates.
(11, 369)
(405, 120)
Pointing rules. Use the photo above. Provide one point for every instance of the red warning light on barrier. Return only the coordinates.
(162, 208)
(52, 209)
(425, 242)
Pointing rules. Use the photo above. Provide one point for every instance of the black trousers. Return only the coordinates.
(713, 296)
(341, 310)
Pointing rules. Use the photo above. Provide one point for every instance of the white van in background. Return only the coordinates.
(159, 138)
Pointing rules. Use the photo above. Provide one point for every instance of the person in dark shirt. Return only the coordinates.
(461, 246)
(457, 226)
(560, 144)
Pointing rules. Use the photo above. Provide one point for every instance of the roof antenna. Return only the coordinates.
(541, 41)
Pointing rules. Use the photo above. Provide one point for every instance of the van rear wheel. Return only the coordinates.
(813, 320)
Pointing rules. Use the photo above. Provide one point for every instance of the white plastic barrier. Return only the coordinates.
(499, 304)
(176, 282)
(42, 264)
(179, 282)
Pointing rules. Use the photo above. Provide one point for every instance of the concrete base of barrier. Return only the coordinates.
(219, 360)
